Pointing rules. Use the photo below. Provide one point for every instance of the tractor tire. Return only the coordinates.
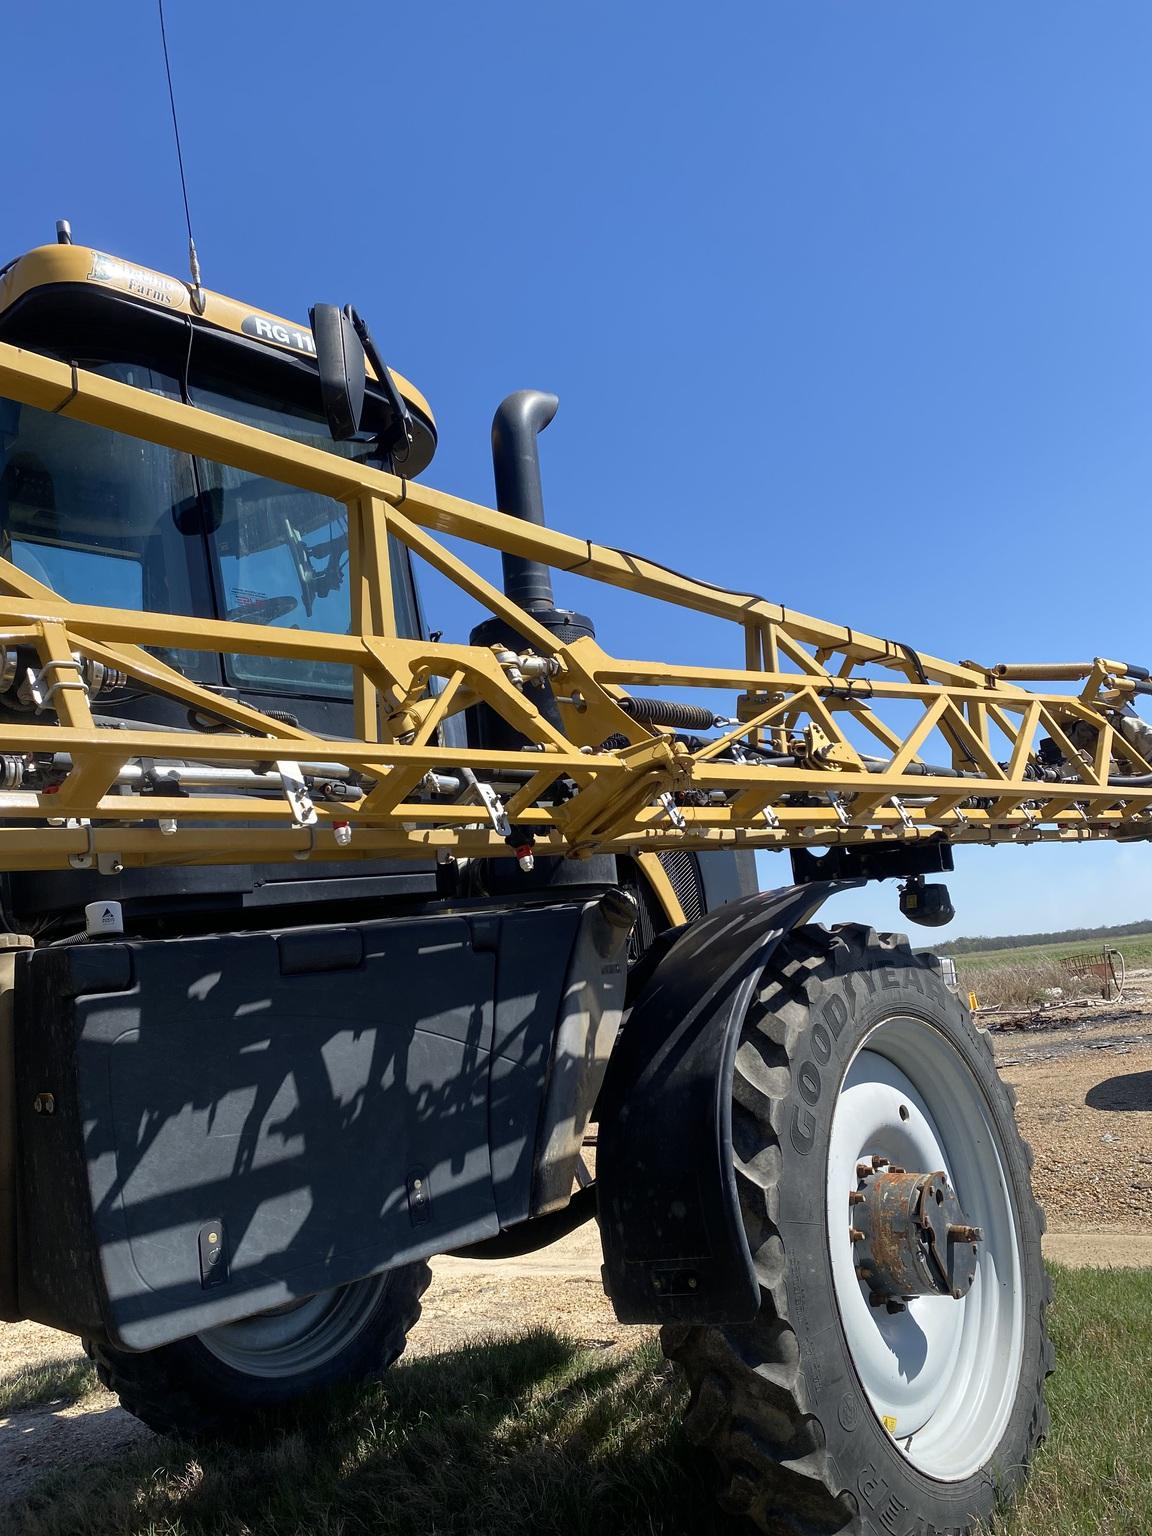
(241, 1378)
(827, 1414)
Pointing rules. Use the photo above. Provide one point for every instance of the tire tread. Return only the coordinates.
(746, 1378)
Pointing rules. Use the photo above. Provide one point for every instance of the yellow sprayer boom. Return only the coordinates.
(805, 754)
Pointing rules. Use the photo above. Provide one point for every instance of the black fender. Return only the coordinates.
(674, 1242)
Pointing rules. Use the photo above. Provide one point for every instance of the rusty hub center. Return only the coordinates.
(911, 1236)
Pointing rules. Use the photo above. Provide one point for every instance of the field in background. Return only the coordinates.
(541, 1433)
(1025, 975)
(1137, 952)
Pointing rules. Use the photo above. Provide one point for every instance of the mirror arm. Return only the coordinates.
(399, 439)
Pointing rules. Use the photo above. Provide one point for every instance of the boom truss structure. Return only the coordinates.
(833, 736)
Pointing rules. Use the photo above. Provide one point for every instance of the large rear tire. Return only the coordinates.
(830, 1413)
(243, 1375)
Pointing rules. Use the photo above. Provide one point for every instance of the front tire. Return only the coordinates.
(828, 1413)
(235, 1378)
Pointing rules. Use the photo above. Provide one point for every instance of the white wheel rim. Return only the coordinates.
(941, 1376)
(296, 1338)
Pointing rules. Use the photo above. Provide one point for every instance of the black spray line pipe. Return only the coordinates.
(518, 421)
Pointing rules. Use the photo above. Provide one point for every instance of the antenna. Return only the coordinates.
(198, 296)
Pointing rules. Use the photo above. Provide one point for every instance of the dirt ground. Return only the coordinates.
(1083, 1078)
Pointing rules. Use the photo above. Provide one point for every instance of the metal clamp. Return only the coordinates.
(87, 859)
(304, 813)
(842, 814)
(489, 799)
(673, 812)
(41, 697)
(106, 863)
(902, 811)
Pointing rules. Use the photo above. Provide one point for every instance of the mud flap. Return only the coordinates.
(674, 1243)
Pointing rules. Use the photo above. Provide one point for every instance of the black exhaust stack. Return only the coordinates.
(517, 424)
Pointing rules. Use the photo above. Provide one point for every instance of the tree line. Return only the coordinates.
(1026, 940)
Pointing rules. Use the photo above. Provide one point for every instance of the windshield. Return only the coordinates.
(110, 520)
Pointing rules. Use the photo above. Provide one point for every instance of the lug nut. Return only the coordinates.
(962, 1234)
(856, 1197)
(879, 1161)
(855, 1234)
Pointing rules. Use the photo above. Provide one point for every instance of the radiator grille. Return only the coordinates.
(683, 870)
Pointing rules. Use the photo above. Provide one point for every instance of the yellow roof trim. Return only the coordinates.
(52, 264)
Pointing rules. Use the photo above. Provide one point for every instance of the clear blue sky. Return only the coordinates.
(850, 303)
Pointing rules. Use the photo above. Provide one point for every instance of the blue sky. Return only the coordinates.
(849, 303)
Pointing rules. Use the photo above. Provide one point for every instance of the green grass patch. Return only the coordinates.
(65, 1380)
(1136, 949)
(1029, 974)
(1094, 1475)
(540, 1436)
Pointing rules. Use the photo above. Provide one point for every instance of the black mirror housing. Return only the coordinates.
(340, 355)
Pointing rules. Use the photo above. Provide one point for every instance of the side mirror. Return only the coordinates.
(340, 355)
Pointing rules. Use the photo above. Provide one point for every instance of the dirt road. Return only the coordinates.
(1084, 1087)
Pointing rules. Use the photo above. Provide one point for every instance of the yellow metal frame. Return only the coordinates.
(813, 688)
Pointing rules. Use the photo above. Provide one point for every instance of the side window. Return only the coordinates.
(90, 513)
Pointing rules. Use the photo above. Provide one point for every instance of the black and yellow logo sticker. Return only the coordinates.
(264, 328)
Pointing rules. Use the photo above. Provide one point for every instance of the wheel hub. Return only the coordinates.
(911, 1236)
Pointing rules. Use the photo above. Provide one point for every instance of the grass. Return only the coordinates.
(1094, 1476)
(533, 1434)
(1019, 977)
(65, 1380)
(1136, 948)
(540, 1435)
(1020, 983)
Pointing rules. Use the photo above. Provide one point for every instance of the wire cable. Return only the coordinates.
(193, 259)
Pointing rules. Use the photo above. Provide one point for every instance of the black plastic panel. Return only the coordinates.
(287, 1092)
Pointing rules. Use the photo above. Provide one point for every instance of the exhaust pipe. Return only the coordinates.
(518, 422)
